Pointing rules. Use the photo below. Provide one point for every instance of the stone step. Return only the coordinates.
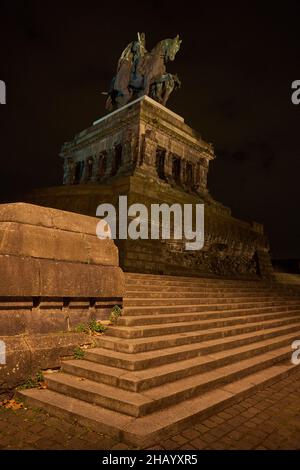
(191, 292)
(143, 331)
(138, 381)
(143, 320)
(183, 348)
(180, 308)
(149, 429)
(201, 285)
(194, 283)
(102, 420)
(113, 398)
(288, 278)
(166, 341)
(139, 277)
(153, 359)
(169, 301)
(140, 404)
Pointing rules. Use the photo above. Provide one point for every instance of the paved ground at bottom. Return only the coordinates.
(269, 419)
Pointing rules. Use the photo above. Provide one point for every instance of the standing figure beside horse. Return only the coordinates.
(140, 72)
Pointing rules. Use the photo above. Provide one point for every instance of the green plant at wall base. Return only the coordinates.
(33, 382)
(78, 353)
(96, 327)
(40, 376)
(82, 328)
(30, 383)
(92, 327)
(115, 314)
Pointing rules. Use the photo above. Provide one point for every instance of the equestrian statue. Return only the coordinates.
(140, 72)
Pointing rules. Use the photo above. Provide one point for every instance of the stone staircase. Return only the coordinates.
(288, 278)
(183, 349)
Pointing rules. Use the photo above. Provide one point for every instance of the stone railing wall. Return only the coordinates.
(54, 274)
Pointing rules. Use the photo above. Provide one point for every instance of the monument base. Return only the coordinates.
(231, 248)
(148, 153)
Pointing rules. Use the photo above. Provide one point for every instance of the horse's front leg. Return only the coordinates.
(166, 95)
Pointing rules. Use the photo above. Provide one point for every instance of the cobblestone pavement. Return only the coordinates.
(269, 419)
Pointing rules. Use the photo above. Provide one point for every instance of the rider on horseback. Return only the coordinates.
(140, 72)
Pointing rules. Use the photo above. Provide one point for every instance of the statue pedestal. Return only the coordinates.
(147, 152)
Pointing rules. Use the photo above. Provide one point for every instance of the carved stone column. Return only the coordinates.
(148, 160)
(149, 151)
(72, 167)
(95, 174)
(102, 165)
(66, 177)
(200, 180)
(197, 177)
(182, 172)
(83, 178)
(109, 161)
(168, 167)
(204, 178)
(190, 171)
(128, 154)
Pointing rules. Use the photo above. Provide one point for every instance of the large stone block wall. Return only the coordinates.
(232, 247)
(54, 274)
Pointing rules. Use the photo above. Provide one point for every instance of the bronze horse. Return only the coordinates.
(144, 73)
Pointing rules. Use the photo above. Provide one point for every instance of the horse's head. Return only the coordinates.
(172, 46)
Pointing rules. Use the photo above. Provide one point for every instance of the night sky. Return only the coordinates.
(237, 62)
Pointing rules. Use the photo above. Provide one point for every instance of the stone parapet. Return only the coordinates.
(28, 354)
(54, 274)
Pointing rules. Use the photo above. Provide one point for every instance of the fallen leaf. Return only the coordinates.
(12, 405)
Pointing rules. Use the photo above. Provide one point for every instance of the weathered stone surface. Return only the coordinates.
(79, 280)
(19, 276)
(12, 322)
(16, 322)
(34, 277)
(39, 242)
(47, 217)
(27, 354)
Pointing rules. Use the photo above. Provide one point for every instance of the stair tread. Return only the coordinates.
(178, 413)
(163, 391)
(231, 297)
(192, 280)
(163, 316)
(180, 385)
(203, 359)
(131, 357)
(149, 428)
(150, 307)
(196, 322)
(246, 310)
(79, 407)
(133, 341)
(108, 391)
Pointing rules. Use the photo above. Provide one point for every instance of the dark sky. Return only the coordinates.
(237, 62)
